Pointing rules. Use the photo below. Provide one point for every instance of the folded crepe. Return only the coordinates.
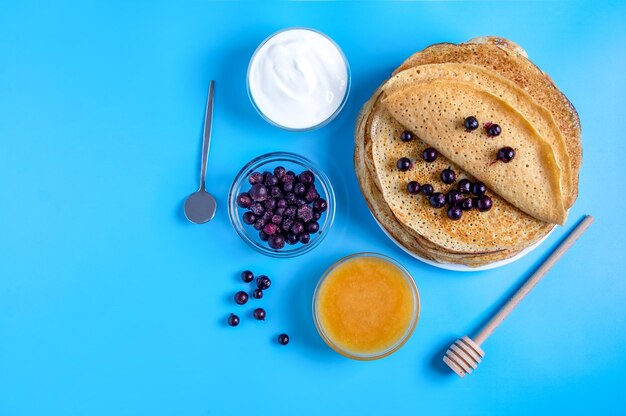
(435, 111)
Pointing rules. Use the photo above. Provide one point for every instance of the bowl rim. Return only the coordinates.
(335, 113)
(254, 165)
(405, 337)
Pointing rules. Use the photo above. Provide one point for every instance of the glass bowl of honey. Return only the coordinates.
(366, 306)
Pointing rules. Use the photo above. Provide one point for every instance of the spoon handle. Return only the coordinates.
(533, 280)
(206, 141)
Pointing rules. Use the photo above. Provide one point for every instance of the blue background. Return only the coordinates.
(111, 303)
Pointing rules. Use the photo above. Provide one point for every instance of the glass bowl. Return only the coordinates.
(401, 340)
(268, 162)
(323, 122)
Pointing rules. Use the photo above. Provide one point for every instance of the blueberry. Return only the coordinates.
(249, 218)
(279, 171)
(255, 177)
(290, 212)
(291, 239)
(297, 228)
(300, 201)
(247, 276)
(430, 154)
(244, 200)
(258, 192)
(259, 314)
(492, 130)
(276, 241)
(304, 238)
(271, 180)
(241, 297)
(299, 189)
(290, 197)
(427, 189)
(464, 186)
(270, 229)
(406, 136)
(281, 203)
(267, 216)
(471, 123)
(269, 204)
(453, 198)
(448, 176)
(311, 194)
(506, 154)
(257, 209)
(320, 205)
(233, 320)
(288, 187)
(437, 200)
(283, 339)
(305, 213)
(413, 188)
(454, 213)
(288, 177)
(484, 203)
(479, 188)
(263, 282)
(276, 192)
(263, 235)
(257, 294)
(403, 164)
(307, 177)
(277, 219)
(467, 204)
(279, 211)
(313, 227)
(259, 224)
(287, 224)
(316, 215)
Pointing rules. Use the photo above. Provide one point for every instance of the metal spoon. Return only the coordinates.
(200, 206)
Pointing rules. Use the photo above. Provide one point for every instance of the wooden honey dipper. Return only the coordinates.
(465, 354)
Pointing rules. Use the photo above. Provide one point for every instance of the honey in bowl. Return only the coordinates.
(366, 306)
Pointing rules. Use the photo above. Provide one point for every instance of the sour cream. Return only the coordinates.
(298, 79)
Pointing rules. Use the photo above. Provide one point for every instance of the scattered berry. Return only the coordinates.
(454, 198)
(484, 203)
(241, 297)
(506, 154)
(403, 164)
(259, 314)
(430, 154)
(263, 282)
(427, 189)
(479, 188)
(467, 204)
(233, 320)
(471, 123)
(413, 188)
(454, 213)
(464, 186)
(257, 294)
(437, 200)
(492, 130)
(448, 176)
(406, 136)
(283, 339)
(247, 276)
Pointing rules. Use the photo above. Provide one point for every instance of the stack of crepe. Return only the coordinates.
(430, 95)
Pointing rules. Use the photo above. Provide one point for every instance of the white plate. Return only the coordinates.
(461, 267)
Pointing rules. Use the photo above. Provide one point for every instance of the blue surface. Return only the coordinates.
(112, 304)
